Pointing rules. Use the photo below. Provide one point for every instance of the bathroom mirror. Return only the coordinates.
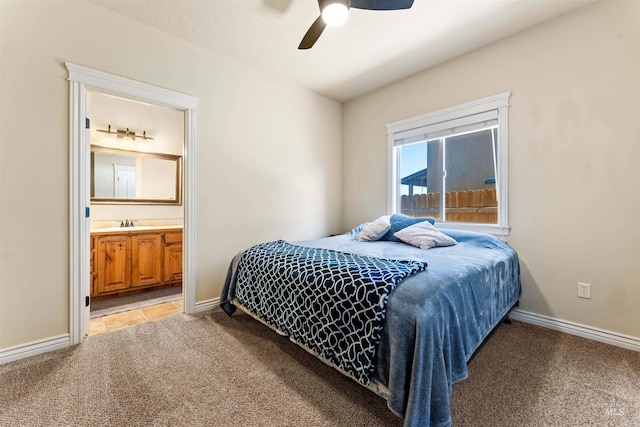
(122, 177)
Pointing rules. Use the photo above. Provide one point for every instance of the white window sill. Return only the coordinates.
(494, 229)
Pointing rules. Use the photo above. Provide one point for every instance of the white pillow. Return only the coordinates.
(424, 235)
(375, 230)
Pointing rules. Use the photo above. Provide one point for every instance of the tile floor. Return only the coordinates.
(104, 324)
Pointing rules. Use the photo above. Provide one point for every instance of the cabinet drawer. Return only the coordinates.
(170, 238)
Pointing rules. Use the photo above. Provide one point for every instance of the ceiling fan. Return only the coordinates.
(335, 12)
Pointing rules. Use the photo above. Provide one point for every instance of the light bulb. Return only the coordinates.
(127, 141)
(109, 140)
(144, 146)
(335, 13)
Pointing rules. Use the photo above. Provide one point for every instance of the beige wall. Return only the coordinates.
(573, 162)
(268, 153)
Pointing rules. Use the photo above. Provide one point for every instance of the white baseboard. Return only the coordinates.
(34, 348)
(601, 335)
(207, 305)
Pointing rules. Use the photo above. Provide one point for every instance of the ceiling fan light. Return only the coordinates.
(335, 13)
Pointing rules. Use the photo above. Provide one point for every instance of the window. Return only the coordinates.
(452, 165)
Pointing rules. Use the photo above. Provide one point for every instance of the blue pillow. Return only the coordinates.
(398, 222)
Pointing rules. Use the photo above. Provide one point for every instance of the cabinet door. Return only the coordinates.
(146, 257)
(114, 263)
(92, 266)
(173, 263)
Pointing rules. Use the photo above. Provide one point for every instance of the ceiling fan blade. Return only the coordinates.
(381, 4)
(313, 33)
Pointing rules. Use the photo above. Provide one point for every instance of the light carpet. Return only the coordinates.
(212, 370)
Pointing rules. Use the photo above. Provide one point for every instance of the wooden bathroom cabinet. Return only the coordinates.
(128, 261)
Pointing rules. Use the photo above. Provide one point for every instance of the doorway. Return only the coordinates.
(82, 80)
(125, 178)
(136, 214)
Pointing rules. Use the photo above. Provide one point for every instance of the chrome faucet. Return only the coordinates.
(127, 223)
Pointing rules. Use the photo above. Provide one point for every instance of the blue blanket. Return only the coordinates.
(331, 302)
(435, 319)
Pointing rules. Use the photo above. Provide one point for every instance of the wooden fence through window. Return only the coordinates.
(462, 206)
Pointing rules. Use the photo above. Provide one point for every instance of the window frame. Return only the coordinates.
(412, 126)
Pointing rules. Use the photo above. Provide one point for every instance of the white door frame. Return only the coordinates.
(82, 79)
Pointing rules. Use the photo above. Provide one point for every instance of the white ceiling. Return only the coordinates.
(372, 49)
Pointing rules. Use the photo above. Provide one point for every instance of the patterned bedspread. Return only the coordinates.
(329, 301)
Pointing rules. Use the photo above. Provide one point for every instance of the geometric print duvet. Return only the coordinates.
(329, 301)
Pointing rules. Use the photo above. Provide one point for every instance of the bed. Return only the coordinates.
(438, 310)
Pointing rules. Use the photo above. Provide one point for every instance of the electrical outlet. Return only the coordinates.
(584, 290)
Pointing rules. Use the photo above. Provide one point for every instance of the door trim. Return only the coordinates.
(82, 79)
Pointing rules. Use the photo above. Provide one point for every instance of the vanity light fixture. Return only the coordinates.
(127, 136)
